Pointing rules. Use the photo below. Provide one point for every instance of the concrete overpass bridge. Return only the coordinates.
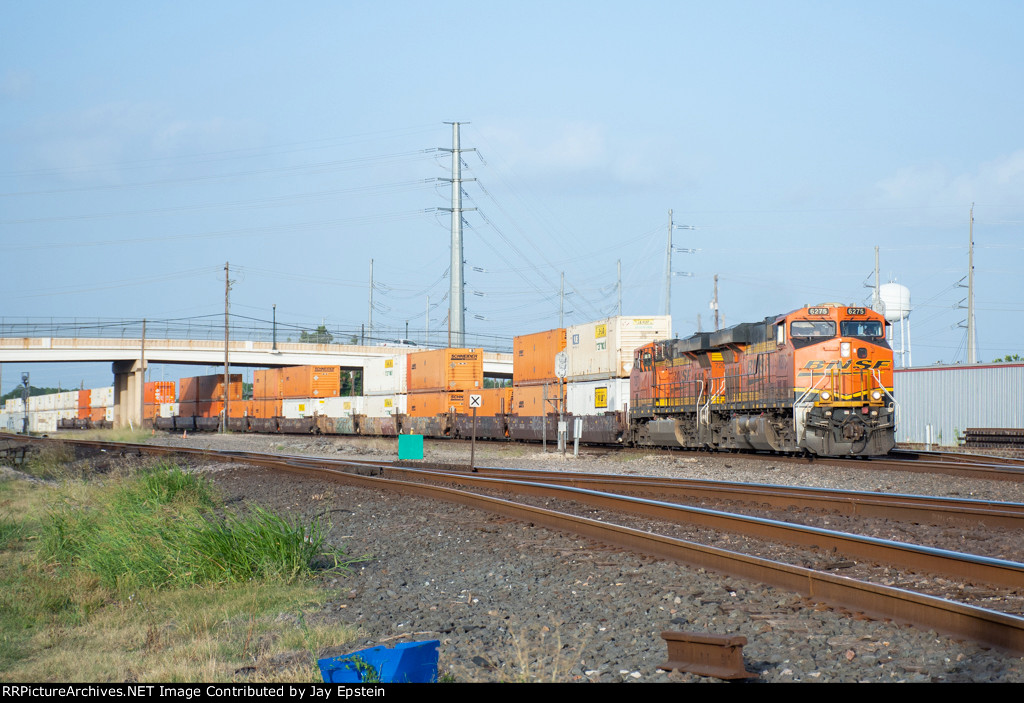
(130, 357)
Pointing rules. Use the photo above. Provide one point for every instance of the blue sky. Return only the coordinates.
(143, 145)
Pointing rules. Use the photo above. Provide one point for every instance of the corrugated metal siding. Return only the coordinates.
(953, 398)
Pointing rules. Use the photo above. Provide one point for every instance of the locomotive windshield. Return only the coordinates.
(812, 328)
(868, 329)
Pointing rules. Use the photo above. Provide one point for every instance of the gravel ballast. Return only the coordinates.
(514, 602)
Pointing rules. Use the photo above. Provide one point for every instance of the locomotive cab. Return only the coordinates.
(843, 401)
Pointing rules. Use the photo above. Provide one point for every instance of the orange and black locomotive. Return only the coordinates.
(816, 380)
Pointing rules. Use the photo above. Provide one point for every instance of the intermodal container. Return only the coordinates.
(101, 397)
(597, 397)
(445, 370)
(529, 400)
(209, 388)
(156, 392)
(384, 405)
(84, 400)
(266, 408)
(385, 375)
(533, 357)
(266, 384)
(431, 403)
(493, 401)
(604, 349)
(310, 381)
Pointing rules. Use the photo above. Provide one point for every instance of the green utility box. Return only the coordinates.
(410, 447)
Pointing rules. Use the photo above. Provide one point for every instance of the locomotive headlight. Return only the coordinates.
(876, 395)
(844, 349)
(825, 395)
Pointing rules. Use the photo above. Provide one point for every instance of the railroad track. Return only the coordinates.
(485, 490)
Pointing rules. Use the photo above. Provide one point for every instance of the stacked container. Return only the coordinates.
(385, 375)
(601, 358)
(203, 396)
(310, 381)
(533, 367)
(155, 394)
(533, 357)
(440, 380)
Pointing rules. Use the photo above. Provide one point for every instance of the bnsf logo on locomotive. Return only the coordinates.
(862, 365)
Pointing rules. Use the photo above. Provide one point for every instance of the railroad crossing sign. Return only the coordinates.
(476, 401)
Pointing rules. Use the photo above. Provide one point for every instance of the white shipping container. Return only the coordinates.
(384, 405)
(294, 408)
(597, 397)
(168, 409)
(40, 403)
(101, 397)
(604, 349)
(14, 405)
(353, 405)
(385, 376)
(43, 421)
(67, 401)
(109, 414)
(10, 422)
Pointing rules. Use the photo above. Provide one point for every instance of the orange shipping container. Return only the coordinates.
(205, 388)
(445, 370)
(157, 392)
(97, 414)
(533, 357)
(435, 403)
(529, 400)
(494, 402)
(266, 408)
(84, 401)
(266, 384)
(311, 382)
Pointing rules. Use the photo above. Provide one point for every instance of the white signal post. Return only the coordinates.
(475, 401)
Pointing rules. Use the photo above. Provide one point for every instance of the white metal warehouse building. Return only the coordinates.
(949, 399)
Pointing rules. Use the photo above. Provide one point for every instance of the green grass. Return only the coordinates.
(145, 577)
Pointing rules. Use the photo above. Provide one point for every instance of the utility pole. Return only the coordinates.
(972, 352)
(227, 367)
(561, 303)
(875, 296)
(668, 268)
(426, 340)
(618, 268)
(369, 327)
(275, 327)
(715, 304)
(456, 296)
(142, 370)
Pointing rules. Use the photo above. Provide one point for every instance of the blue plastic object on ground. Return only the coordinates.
(407, 662)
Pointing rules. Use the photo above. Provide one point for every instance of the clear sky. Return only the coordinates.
(145, 144)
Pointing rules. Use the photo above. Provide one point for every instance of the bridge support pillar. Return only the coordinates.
(128, 379)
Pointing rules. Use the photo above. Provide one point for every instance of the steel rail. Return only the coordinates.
(934, 509)
(907, 556)
(884, 602)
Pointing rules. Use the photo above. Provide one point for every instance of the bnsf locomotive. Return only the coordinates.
(816, 380)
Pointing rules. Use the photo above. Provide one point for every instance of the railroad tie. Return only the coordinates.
(720, 656)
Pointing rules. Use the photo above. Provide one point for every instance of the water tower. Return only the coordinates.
(894, 301)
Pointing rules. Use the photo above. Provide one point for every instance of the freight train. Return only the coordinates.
(817, 380)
